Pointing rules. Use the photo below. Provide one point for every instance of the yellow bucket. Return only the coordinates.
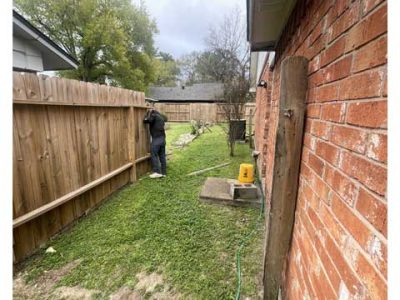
(246, 173)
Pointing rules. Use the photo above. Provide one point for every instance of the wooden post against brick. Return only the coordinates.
(251, 129)
(288, 146)
(132, 143)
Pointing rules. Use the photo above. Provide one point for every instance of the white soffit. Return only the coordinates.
(266, 20)
(257, 62)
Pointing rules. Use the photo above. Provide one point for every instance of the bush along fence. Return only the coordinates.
(74, 144)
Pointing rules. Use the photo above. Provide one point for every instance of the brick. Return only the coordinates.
(313, 111)
(371, 55)
(384, 92)
(363, 85)
(316, 48)
(344, 22)
(368, 29)
(327, 152)
(333, 52)
(371, 175)
(347, 275)
(338, 70)
(327, 93)
(311, 257)
(311, 95)
(368, 5)
(311, 198)
(315, 220)
(373, 209)
(307, 126)
(329, 267)
(349, 138)
(332, 225)
(304, 154)
(341, 6)
(307, 280)
(305, 172)
(316, 33)
(321, 189)
(316, 164)
(322, 10)
(320, 129)
(307, 140)
(368, 114)
(342, 185)
(377, 147)
(313, 65)
(324, 290)
(333, 112)
(316, 79)
(351, 222)
(376, 286)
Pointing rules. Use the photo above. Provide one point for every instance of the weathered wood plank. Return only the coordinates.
(68, 134)
(49, 206)
(75, 103)
(131, 142)
(280, 219)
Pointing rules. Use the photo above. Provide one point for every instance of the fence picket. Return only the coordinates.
(78, 134)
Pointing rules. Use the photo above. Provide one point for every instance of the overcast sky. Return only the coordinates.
(183, 24)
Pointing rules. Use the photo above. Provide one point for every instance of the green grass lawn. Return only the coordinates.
(160, 226)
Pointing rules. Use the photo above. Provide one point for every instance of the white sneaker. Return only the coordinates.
(155, 175)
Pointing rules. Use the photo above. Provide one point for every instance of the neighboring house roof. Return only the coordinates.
(32, 42)
(198, 92)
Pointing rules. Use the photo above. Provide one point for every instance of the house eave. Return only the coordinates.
(56, 57)
(266, 20)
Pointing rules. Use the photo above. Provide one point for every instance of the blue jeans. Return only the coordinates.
(158, 156)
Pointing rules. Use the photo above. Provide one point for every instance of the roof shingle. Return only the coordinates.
(195, 92)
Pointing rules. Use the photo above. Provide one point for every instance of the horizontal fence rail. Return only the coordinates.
(207, 112)
(74, 144)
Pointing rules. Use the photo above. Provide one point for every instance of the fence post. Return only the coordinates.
(251, 129)
(288, 146)
(131, 143)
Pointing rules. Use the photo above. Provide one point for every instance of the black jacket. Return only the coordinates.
(156, 122)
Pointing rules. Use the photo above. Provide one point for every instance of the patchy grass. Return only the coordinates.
(175, 130)
(160, 226)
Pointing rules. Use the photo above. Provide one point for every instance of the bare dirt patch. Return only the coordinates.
(43, 287)
(74, 293)
(149, 286)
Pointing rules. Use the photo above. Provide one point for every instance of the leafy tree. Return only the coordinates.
(166, 70)
(111, 39)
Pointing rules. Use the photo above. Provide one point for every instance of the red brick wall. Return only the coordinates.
(339, 245)
(262, 116)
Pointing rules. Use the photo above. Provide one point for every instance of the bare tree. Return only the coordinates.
(228, 40)
(187, 64)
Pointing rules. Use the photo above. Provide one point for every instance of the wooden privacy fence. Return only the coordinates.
(74, 144)
(209, 112)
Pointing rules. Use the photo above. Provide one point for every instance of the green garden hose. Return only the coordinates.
(247, 237)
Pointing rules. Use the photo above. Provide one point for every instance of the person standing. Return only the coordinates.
(157, 149)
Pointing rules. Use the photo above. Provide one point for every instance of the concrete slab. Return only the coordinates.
(218, 191)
